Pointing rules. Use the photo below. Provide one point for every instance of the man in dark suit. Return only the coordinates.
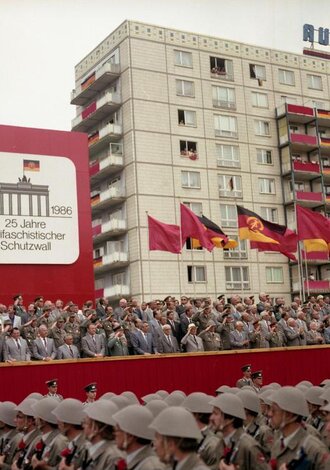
(43, 348)
(166, 342)
(68, 350)
(175, 325)
(185, 319)
(93, 345)
(142, 341)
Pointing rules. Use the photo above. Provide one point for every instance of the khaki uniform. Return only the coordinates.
(29, 333)
(146, 459)
(58, 335)
(106, 457)
(23, 455)
(54, 444)
(209, 450)
(201, 320)
(74, 330)
(315, 451)
(193, 462)
(246, 452)
(9, 446)
(242, 382)
(211, 341)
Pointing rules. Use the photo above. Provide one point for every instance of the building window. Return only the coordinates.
(225, 126)
(286, 77)
(264, 156)
(223, 97)
(186, 118)
(314, 82)
(195, 207)
(266, 185)
(288, 99)
(274, 275)
(227, 155)
(237, 278)
(259, 100)
(240, 252)
(270, 214)
(258, 72)
(196, 273)
(188, 149)
(190, 179)
(230, 186)
(185, 88)
(221, 68)
(183, 58)
(262, 128)
(228, 215)
(118, 279)
(319, 105)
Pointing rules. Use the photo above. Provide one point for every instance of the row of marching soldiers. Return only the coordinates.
(279, 428)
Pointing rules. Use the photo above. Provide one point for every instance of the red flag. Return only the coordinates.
(192, 227)
(314, 229)
(163, 237)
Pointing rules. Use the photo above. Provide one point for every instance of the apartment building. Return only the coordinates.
(175, 117)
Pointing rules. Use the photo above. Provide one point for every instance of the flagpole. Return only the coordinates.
(149, 267)
(307, 277)
(300, 262)
(180, 259)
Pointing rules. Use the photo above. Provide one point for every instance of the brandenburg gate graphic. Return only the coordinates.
(24, 198)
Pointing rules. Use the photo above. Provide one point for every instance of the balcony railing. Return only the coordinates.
(96, 111)
(325, 141)
(118, 290)
(309, 196)
(99, 138)
(227, 193)
(301, 110)
(117, 258)
(224, 104)
(304, 139)
(315, 255)
(309, 167)
(114, 225)
(110, 193)
(317, 286)
(112, 161)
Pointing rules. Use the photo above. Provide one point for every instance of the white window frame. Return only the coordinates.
(263, 155)
(228, 155)
(189, 118)
(198, 274)
(314, 82)
(121, 277)
(223, 97)
(259, 72)
(262, 128)
(182, 88)
(183, 58)
(190, 149)
(240, 252)
(225, 68)
(266, 186)
(286, 77)
(243, 283)
(257, 100)
(189, 176)
(225, 126)
(195, 207)
(288, 99)
(229, 219)
(269, 213)
(272, 277)
(224, 182)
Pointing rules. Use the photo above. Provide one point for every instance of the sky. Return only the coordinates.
(42, 40)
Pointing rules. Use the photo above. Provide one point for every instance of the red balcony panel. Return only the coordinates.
(99, 293)
(309, 196)
(303, 139)
(317, 286)
(94, 169)
(294, 109)
(315, 255)
(89, 110)
(306, 166)
(325, 142)
(96, 230)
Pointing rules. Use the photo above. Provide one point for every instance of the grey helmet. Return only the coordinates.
(43, 409)
(8, 413)
(291, 399)
(176, 421)
(313, 396)
(120, 401)
(135, 420)
(229, 404)
(131, 396)
(150, 396)
(70, 411)
(25, 406)
(156, 406)
(198, 402)
(102, 411)
(250, 400)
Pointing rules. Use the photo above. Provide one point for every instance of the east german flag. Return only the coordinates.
(313, 229)
(31, 165)
(265, 235)
(215, 235)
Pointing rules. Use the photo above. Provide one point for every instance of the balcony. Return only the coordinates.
(326, 173)
(117, 291)
(306, 170)
(100, 138)
(224, 104)
(315, 257)
(236, 193)
(98, 170)
(296, 113)
(325, 145)
(95, 83)
(305, 198)
(323, 117)
(108, 198)
(95, 112)
(109, 229)
(316, 287)
(301, 142)
(118, 259)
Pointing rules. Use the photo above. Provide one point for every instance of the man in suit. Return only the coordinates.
(16, 348)
(292, 333)
(143, 341)
(238, 337)
(93, 345)
(43, 348)
(186, 319)
(68, 350)
(175, 325)
(16, 321)
(167, 343)
(190, 341)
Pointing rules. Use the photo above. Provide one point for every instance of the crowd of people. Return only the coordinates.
(46, 330)
(247, 427)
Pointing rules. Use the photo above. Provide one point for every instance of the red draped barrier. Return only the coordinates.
(146, 374)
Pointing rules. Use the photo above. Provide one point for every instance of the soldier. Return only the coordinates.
(211, 339)
(29, 332)
(134, 436)
(295, 445)
(256, 380)
(198, 404)
(99, 430)
(57, 332)
(316, 416)
(91, 391)
(72, 327)
(177, 438)
(10, 435)
(246, 379)
(117, 343)
(70, 414)
(52, 389)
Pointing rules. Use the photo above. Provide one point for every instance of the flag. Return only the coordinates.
(265, 235)
(31, 165)
(192, 227)
(313, 229)
(163, 237)
(215, 235)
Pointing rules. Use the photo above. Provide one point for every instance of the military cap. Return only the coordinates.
(211, 323)
(156, 406)
(43, 409)
(135, 420)
(191, 325)
(291, 399)
(221, 296)
(51, 383)
(60, 320)
(25, 406)
(117, 327)
(229, 404)
(256, 375)
(250, 400)
(246, 368)
(69, 411)
(8, 413)
(102, 411)
(72, 314)
(92, 387)
(176, 421)
(198, 402)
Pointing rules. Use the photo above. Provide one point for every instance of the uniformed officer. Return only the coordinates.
(240, 449)
(91, 391)
(134, 436)
(246, 379)
(198, 404)
(316, 416)
(257, 380)
(211, 339)
(177, 438)
(10, 436)
(52, 389)
(295, 445)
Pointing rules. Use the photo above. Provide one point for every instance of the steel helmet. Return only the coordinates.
(43, 409)
(291, 399)
(25, 406)
(131, 396)
(162, 393)
(176, 421)
(229, 404)
(35, 395)
(120, 401)
(313, 396)
(307, 383)
(266, 397)
(149, 397)
(102, 411)
(8, 413)
(326, 394)
(135, 420)
(156, 406)
(69, 411)
(174, 400)
(223, 389)
(107, 396)
(250, 400)
(198, 402)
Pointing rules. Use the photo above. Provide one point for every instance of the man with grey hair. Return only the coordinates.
(167, 343)
(43, 348)
(239, 338)
(68, 350)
